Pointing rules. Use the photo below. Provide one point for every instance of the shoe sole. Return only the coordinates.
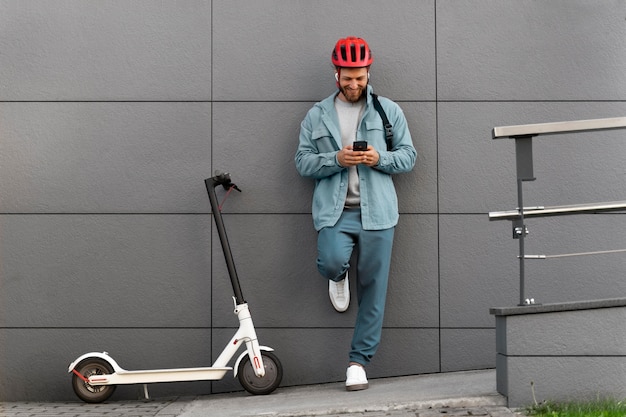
(357, 387)
(340, 310)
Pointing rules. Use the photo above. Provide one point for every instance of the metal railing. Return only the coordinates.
(523, 135)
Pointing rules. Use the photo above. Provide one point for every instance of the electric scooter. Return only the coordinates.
(95, 375)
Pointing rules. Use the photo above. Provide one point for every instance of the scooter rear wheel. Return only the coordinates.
(268, 383)
(84, 390)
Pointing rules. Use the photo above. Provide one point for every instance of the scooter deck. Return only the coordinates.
(159, 375)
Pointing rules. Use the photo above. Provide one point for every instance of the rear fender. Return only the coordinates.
(102, 355)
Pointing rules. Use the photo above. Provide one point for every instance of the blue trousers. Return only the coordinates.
(373, 256)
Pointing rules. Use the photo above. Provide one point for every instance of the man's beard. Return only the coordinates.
(352, 95)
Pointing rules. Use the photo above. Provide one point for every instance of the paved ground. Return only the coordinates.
(172, 408)
(449, 394)
(118, 409)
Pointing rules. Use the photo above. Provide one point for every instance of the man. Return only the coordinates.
(354, 201)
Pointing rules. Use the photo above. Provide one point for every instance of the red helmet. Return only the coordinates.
(352, 52)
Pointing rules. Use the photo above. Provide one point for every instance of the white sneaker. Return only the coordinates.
(355, 378)
(339, 294)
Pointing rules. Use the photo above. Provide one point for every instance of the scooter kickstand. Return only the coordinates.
(146, 396)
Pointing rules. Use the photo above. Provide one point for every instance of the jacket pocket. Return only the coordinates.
(375, 133)
(324, 140)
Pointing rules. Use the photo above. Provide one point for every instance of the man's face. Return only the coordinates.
(352, 83)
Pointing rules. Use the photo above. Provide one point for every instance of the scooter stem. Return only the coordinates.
(211, 183)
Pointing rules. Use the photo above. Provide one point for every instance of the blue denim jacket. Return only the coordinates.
(316, 157)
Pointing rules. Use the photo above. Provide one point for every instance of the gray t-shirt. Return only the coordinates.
(349, 116)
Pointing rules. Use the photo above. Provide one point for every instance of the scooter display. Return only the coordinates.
(95, 375)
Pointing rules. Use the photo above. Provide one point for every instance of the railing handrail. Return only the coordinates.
(553, 128)
(558, 210)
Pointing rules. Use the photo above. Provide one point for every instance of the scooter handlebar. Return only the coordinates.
(223, 179)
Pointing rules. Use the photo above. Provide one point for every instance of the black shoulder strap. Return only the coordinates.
(388, 127)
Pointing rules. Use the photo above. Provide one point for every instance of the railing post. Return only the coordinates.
(524, 168)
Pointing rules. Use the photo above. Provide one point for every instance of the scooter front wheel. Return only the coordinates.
(268, 383)
(83, 389)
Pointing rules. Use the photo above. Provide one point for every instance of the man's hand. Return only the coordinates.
(348, 158)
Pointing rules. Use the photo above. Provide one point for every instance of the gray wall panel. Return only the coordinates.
(407, 351)
(278, 55)
(479, 265)
(98, 271)
(256, 143)
(104, 157)
(529, 50)
(114, 50)
(478, 269)
(467, 349)
(576, 278)
(413, 293)
(569, 168)
(275, 260)
(418, 189)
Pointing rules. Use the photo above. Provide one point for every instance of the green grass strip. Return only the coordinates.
(597, 408)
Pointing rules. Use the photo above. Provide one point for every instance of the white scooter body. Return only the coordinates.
(246, 333)
(94, 371)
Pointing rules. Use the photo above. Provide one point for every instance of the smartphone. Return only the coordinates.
(359, 145)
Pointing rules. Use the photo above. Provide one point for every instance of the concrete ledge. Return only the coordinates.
(561, 351)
